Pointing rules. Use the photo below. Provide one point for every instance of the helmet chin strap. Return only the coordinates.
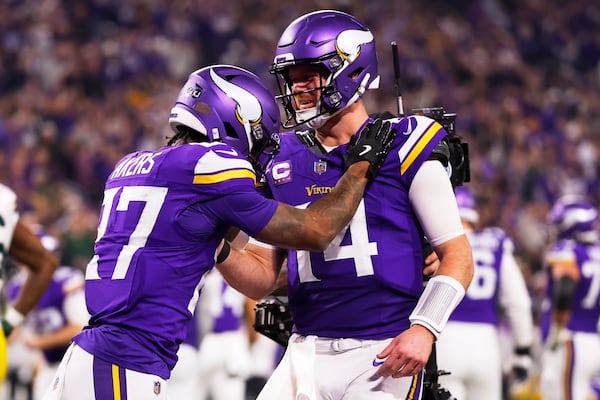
(310, 119)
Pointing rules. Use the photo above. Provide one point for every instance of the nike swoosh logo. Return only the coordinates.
(408, 130)
(231, 152)
(377, 363)
(367, 148)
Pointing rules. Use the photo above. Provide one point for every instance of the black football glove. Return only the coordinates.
(273, 319)
(372, 144)
(7, 328)
(522, 363)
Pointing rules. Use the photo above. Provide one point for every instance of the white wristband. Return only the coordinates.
(440, 297)
(13, 317)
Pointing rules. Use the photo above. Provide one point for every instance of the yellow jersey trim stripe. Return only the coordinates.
(419, 146)
(116, 382)
(224, 176)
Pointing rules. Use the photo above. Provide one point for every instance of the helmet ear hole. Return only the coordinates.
(354, 75)
(230, 131)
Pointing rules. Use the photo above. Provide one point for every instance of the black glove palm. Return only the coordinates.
(372, 144)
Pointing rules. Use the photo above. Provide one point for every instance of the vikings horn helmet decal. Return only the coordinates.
(248, 110)
(348, 43)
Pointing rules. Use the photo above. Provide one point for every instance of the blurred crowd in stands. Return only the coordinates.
(82, 82)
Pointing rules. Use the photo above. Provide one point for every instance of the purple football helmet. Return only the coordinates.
(339, 44)
(49, 241)
(467, 206)
(228, 104)
(574, 218)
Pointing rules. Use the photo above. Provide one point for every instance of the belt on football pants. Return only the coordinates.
(340, 345)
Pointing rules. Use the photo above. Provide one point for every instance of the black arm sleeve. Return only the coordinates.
(562, 294)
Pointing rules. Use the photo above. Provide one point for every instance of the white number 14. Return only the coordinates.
(360, 249)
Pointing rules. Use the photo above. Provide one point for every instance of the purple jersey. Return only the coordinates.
(366, 283)
(163, 216)
(48, 316)
(481, 302)
(231, 316)
(192, 336)
(221, 307)
(585, 310)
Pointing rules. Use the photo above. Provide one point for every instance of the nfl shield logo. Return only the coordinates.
(320, 167)
(156, 387)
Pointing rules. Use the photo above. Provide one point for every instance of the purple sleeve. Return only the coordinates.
(246, 209)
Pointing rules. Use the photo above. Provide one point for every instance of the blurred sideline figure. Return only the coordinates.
(571, 356)
(58, 316)
(265, 354)
(21, 244)
(184, 382)
(469, 348)
(595, 395)
(224, 355)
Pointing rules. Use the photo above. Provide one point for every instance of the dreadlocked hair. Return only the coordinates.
(185, 134)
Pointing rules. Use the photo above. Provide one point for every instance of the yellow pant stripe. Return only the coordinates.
(116, 382)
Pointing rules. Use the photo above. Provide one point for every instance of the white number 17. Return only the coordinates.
(153, 198)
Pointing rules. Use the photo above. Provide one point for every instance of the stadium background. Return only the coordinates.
(82, 82)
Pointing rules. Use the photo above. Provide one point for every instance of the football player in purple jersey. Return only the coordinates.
(20, 243)
(571, 356)
(497, 291)
(361, 316)
(163, 218)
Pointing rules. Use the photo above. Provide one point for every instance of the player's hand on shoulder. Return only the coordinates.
(372, 144)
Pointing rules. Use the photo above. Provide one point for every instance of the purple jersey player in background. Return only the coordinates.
(363, 327)
(225, 345)
(164, 216)
(571, 357)
(183, 382)
(497, 291)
